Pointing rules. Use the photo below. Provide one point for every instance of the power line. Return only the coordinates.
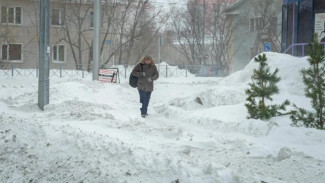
(184, 4)
(172, 3)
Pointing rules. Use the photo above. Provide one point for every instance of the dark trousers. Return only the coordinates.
(144, 100)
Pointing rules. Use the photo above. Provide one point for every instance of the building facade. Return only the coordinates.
(256, 28)
(300, 20)
(71, 34)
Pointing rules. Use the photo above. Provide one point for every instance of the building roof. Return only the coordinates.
(290, 1)
(235, 5)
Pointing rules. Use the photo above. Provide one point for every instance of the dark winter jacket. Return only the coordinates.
(150, 70)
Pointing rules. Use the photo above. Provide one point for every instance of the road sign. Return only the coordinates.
(206, 56)
(108, 42)
(267, 46)
(108, 75)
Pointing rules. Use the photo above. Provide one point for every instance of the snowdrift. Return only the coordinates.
(196, 131)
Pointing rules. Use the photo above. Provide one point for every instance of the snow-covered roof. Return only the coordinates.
(235, 5)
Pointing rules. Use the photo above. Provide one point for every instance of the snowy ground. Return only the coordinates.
(93, 132)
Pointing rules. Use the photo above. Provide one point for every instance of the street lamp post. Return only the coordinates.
(44, 55)
(97, 25)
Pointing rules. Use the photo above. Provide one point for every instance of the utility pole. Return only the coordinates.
(159, 46)
(44, 55)
(203, 33)
(97, 26)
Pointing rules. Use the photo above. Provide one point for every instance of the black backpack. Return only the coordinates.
(133, 80)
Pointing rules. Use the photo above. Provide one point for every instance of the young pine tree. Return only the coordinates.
(314, 80)
(262, 87)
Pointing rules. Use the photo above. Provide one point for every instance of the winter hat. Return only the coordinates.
(148, 57)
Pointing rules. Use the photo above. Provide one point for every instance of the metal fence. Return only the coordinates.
(11, 70)
(300, 49)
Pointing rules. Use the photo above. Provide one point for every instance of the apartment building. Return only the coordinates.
(71, 34)
(256, 23)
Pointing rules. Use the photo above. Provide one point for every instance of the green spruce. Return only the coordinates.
(314, 81)
(262, 87)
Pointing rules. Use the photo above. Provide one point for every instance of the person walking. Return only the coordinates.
(147, 73)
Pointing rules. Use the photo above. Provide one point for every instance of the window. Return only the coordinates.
(58, 53)
(57, 17)
(274, 25)
(256, 24)
(11, 52)
(251, 24)
(91, 19)
(11, 15)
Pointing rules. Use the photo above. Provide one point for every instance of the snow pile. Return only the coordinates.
(165, 70)
(196, 131)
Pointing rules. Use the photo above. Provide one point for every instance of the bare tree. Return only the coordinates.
(73, 28)
(188, 26)
(13, 37)
(149, 25)
(132, 23)
(202, 29)
(221, 30)
(150, 28)
(34, 19)
(109, 28)
(265, 23)
(5, 38)
(135, 28)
